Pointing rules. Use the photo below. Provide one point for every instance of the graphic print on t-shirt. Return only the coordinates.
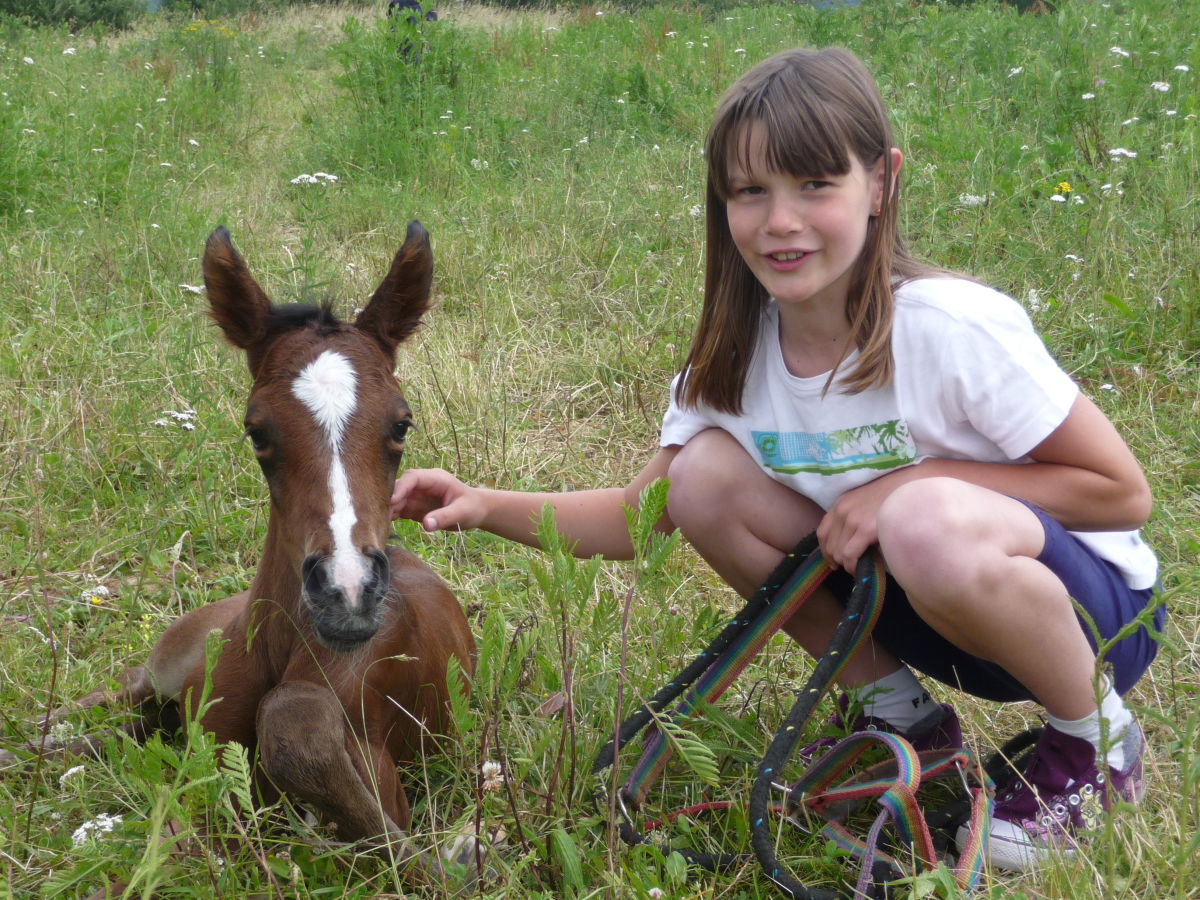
(882, 446)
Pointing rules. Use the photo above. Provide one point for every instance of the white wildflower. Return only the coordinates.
(1077, 200)
(70, 51)
(1034, 299)
(492, 774)
(1118, 51)
(28, 60)
(69, 774)
(1012, 73)
(1088, 96)
(192, 142)
(1058, 198)
(655, 893)
(479, 164)
(1107, 387)
(102, 824)
(1117, 152)
(1131, 121)
(970, 200)
(1161, 86)
(1183, 68)
(316, 178)
(696, 211)
(95, 594)
(740, 50)
(60, 733)
(1073, 257)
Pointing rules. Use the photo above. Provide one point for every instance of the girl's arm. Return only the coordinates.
(1082, 474)
(593, 520)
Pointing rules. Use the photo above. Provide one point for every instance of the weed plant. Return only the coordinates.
(555, 158)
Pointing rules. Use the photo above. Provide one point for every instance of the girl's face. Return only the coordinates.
(802, 236)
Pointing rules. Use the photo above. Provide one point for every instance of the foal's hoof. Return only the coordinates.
(472, 854)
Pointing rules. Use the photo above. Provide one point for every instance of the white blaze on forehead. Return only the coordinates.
(327, 387)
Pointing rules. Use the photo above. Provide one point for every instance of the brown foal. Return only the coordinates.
(334, 662)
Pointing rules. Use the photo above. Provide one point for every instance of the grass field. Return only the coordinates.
(555, 159)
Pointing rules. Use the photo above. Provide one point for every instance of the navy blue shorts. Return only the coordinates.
(1096, 586)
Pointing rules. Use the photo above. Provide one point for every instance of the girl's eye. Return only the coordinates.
(815, 185)
(746, 192)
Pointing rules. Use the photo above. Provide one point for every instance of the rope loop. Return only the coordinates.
(894, 788)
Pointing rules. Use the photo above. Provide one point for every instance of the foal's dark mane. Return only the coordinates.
(322, 318)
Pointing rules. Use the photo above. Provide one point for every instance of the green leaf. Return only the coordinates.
(696, 754)
(566, 852)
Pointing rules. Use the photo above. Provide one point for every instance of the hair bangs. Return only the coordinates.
(810, 129)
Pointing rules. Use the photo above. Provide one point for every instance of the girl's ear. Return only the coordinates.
(897, 159)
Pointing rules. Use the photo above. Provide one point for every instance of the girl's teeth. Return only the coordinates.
(787, 257)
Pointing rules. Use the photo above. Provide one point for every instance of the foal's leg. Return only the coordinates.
(308, 751)
(152, 690)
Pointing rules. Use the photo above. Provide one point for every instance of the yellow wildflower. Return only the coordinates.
(1063, 187)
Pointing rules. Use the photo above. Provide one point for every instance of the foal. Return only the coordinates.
(334, 661)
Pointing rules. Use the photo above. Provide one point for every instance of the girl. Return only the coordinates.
(836, 384)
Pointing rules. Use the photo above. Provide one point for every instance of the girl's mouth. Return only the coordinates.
(790, 256)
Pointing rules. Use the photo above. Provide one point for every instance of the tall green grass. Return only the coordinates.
(555, 158)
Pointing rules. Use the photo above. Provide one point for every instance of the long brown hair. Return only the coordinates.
(817, 108)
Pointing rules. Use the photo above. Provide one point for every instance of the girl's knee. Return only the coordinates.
(700, 476)
(925, 530)
(922, 514)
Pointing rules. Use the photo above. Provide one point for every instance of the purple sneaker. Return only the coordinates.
(1061, 795)
(939, 730)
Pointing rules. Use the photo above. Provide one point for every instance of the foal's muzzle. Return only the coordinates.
(346, 607)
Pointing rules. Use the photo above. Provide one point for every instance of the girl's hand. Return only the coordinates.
(437, 500)
(848, 529)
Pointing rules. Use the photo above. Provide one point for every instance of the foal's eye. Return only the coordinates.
(258, 438)
(400, 430)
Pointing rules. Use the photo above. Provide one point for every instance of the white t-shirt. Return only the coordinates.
(973, 380)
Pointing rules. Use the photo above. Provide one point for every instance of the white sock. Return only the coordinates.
(898, 699)
(1113, 710)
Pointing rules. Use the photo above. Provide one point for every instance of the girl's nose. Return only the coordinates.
(783, 217)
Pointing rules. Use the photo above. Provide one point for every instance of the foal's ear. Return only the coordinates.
(236, 301)
(397, 305)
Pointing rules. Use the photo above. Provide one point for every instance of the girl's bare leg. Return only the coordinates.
(742, 522)
(966, 557)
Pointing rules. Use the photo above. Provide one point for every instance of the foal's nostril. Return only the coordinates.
(312, 572)
(381, 572)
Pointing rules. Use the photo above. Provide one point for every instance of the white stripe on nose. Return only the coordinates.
(326, 386)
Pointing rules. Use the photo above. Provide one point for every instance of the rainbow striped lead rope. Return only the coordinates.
(714, 670)
(780, 600)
